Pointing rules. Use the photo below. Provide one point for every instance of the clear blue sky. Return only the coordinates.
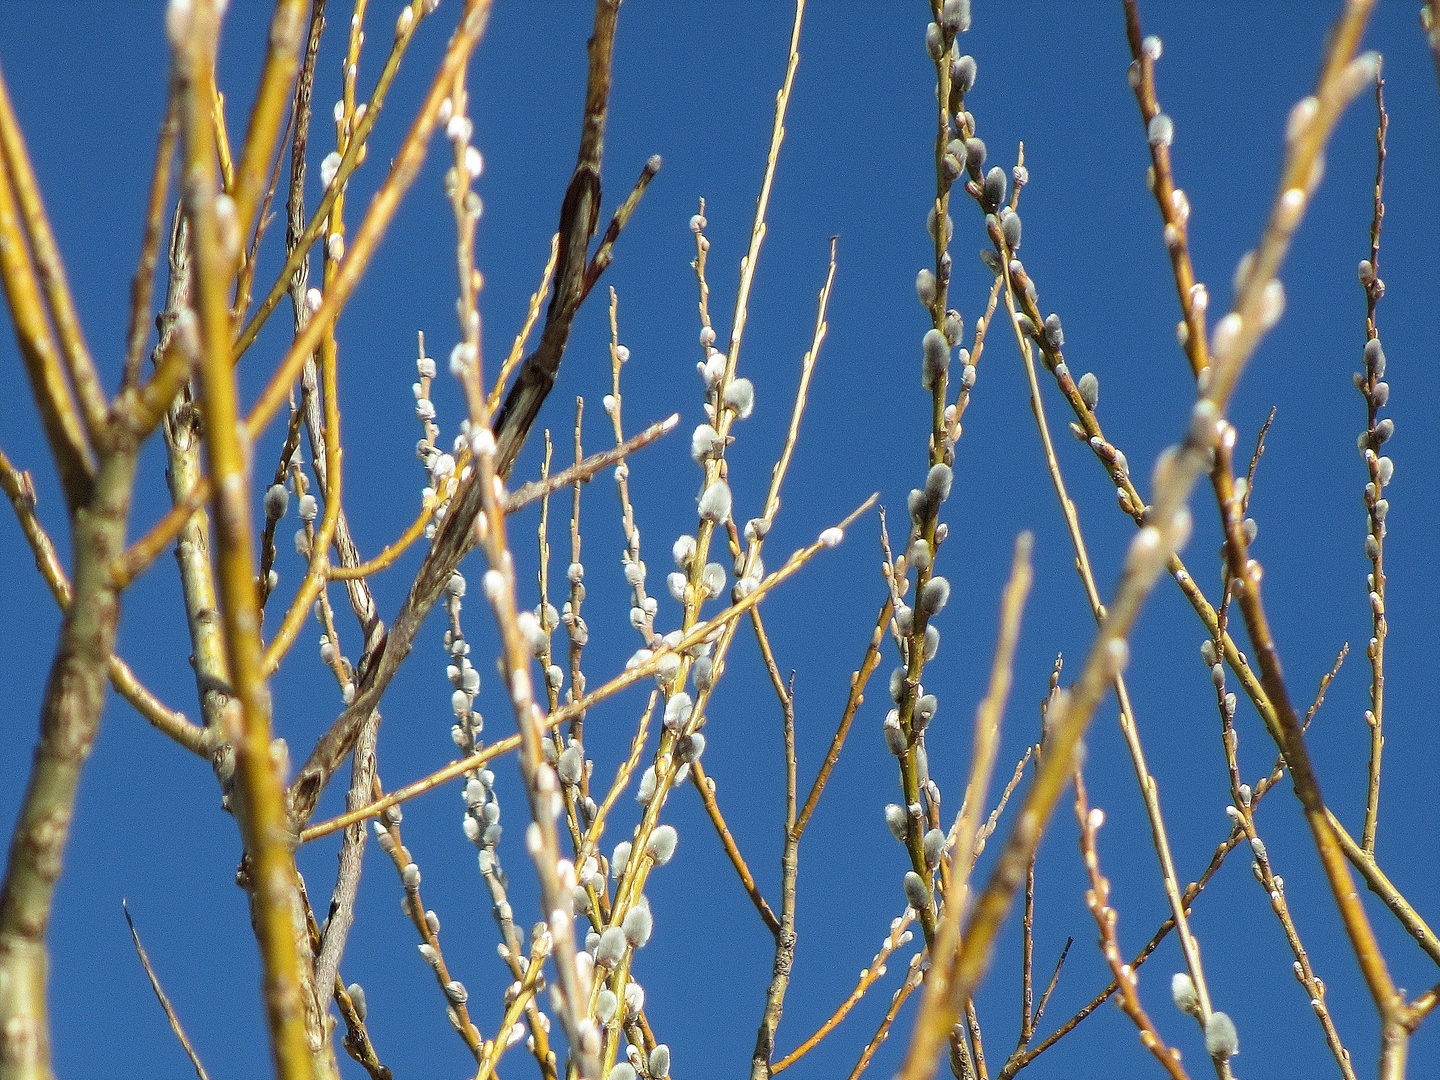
(695, 83)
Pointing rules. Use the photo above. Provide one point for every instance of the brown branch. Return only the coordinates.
(705, 785)
(1378, 506)
(452, 541)
(579, 217)
(853, 701)
(789, 868)
(584, 471)
(1097, 898)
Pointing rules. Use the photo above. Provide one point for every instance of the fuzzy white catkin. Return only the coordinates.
(715, 502)
(661, 845)
(1182, 990)
(646, 790)
(916, 892)
(1221, 1038)
(637, 926)
(713, 578)
(619, 858)
(740, 396)
(611, 947)
(277, 501)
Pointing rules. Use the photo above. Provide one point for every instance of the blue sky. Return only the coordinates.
(695, 82)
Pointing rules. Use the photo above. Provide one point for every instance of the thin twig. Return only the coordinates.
(705, 785)
(517, 350)
(940, 986)
(20, 489)
(910, 985)
(898, 936)
(789, 869)
(853, 700)
(301, 242)
(160, 993)
(79, 365)
(1097, 898)
(143, 283)
(49, 384)
(427, 925)
(1379, 469)
(1129, 728)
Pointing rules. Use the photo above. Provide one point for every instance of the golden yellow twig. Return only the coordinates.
(260, 806)
(143, 283)
(59, 415)
(517, 350)
(74, 353)
(282, 61)
(355, 150)
(391, 552)
(377, 218)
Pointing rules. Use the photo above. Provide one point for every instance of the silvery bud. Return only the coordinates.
(897, 820)
(916, 892)
(995, 184)
(962, 73)
(935, 595)
(1182, 990)
(935, 351)
(1009, 226)
(934, 847)
(954, 328)
(956, 16)
(925, 287)
(934, 41)
(937, 483)
(277, 501)
(897, 684)
(637, 925)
